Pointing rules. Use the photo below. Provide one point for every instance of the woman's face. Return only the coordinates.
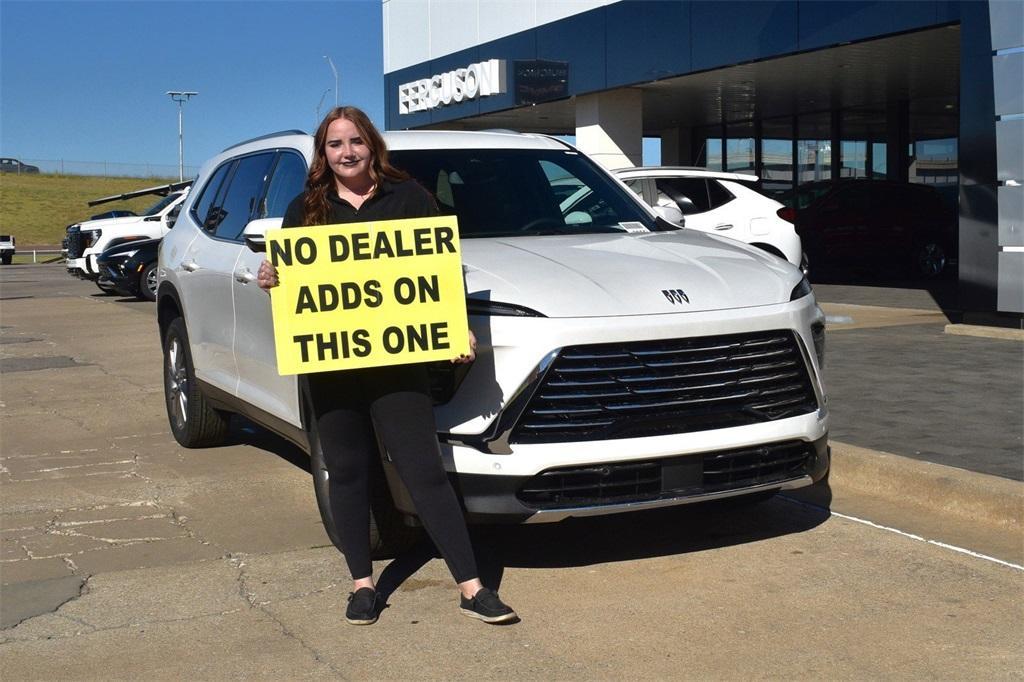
(346, 151)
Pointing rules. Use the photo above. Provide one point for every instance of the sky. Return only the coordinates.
(86, 80)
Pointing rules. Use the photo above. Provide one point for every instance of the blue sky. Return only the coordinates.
(86, 81)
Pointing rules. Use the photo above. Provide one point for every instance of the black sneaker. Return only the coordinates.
(486, 606)
(363, 607)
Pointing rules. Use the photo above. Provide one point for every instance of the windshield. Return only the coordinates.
(162, 204)
(524, 192)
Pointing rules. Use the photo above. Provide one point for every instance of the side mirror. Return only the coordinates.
(670, 213)
(579, 218)
(255, 233)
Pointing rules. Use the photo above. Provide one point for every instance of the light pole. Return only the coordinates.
(181, 96)
(318, 108)
(331, 64)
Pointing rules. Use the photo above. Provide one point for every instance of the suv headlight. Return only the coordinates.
(475, 306)
(92, 236)
(800, 290)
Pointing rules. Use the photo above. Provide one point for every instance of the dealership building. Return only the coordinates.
(795, 92)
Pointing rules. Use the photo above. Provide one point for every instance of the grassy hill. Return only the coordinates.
(37, 208)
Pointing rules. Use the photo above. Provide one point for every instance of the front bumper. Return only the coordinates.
(671, 481)
(81, 268)
(122, 277)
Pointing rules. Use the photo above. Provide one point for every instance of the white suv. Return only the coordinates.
(90, 238)
(720, 203)
(623, 363)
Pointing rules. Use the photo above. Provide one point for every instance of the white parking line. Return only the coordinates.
(912, 536)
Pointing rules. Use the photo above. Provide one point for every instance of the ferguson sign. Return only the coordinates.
(476, 80)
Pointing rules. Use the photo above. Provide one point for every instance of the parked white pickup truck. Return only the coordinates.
(6, 248)
(88, 239)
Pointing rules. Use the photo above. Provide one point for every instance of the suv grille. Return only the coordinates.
(672, 477)
(649, 388)
(76, 244)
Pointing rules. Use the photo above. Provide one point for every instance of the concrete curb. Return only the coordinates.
(948, 490)
(985, 332)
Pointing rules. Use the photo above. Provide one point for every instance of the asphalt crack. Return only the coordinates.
(238, 562)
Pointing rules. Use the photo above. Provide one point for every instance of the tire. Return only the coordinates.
(109, 291)
(6, 259)
(147, 283)
(193, 422)
(930, 259)
(389, 535)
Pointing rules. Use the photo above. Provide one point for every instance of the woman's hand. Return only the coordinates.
(266, 276)
(463, 359)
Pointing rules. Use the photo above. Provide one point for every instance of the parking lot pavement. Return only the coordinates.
(898, 383)
(125, 555)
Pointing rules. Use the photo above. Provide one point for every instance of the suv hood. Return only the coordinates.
(107, 223)
(624, 274)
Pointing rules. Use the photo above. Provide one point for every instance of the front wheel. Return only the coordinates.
(389, 535)
(194, 422)
(147, 282)
(6, 258)
(929, 259)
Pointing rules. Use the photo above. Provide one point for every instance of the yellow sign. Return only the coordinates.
(367, 294)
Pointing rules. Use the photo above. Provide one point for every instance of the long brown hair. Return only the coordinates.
(321, 178)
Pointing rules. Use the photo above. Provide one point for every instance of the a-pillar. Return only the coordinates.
(609, 127)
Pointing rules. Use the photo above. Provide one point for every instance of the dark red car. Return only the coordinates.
(904, 226)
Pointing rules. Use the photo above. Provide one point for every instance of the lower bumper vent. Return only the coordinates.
(687, 475)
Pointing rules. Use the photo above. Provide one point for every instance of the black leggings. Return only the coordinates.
(393, 402)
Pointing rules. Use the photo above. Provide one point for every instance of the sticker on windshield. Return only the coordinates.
(633, 227)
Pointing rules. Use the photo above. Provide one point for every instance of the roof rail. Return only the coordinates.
(265, 137)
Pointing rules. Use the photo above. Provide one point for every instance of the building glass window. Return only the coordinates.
(776, 170)
(879, 162)
(710, 155)
(863, 149)
(853, 159)
(814, 148)
(739, 150)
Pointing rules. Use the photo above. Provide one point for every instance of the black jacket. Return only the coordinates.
(391, 201)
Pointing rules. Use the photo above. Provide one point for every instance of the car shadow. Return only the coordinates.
(241, 431)
(578, 542)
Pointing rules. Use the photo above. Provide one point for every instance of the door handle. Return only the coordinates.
(723, 226)
(189, 265)
(244, 275)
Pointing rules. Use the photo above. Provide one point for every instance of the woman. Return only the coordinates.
(350, 180)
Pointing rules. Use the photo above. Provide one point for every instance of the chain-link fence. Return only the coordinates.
(106, 168)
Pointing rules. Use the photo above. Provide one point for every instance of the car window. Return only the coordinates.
(689, 194)
(853, 199)
(285, 184)
(162, 204)
(503, 192)
(637, 186)
(201, 210)
(244, 190)
(718, 195)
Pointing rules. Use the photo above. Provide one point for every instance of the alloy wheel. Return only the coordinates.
(151, 282)
(177, 382)
(931, 259)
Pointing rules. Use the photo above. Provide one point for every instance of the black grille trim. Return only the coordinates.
(673, 477)
(648, 388)
(76, 244)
